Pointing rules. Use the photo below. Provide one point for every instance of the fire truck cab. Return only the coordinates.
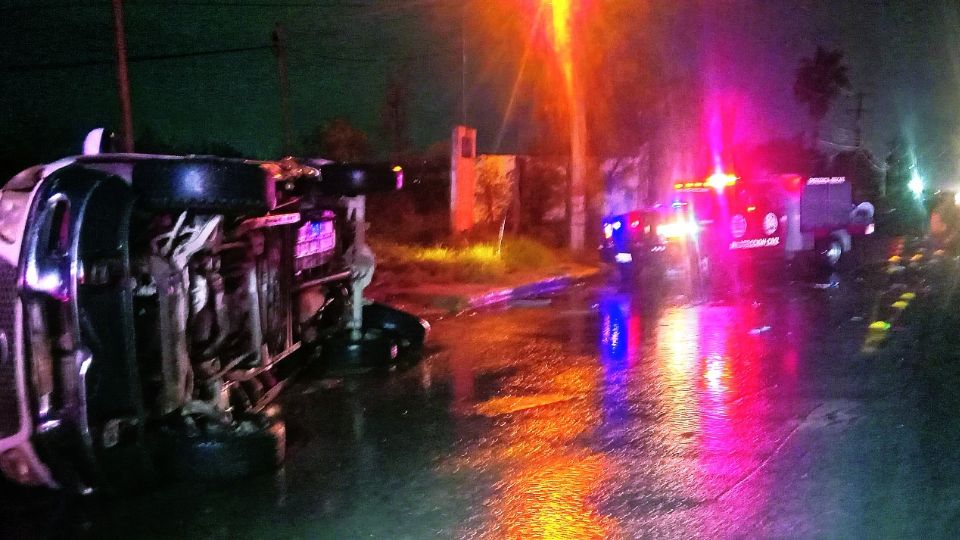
(733, 223)
(724, 224)
(749, 222)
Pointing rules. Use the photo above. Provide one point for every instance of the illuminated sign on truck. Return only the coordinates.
(826, 180)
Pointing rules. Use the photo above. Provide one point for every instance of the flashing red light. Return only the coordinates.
(751, 209)
(635, 223)
(398, 171)
(793, 182)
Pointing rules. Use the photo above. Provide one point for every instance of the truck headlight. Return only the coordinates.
(679, 229)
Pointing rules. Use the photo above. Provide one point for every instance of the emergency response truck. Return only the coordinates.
(724, 224)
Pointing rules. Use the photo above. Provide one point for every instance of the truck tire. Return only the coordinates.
(628, 273)
(215, 457)
(639, 276)
(409, 331)
(201, 183)
(351, 179)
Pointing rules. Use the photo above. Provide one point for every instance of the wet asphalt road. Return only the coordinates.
(604, 413)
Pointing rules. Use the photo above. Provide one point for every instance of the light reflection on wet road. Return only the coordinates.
(605, 414)
(667, 419)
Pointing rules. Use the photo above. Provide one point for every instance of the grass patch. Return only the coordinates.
(480, 262)
(523, 253)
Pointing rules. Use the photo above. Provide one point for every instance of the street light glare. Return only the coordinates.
(916, 185)
(561, 11)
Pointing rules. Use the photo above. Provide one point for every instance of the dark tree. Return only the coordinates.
(899, 171)
(150, 142)
(780, 155)
(861, 170)
(820, 80)
(338, 140)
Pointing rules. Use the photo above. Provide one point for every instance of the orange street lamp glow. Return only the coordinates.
(561, 11)
(562, 18)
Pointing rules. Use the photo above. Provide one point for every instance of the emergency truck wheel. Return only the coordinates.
(644, 276)
(628, 273)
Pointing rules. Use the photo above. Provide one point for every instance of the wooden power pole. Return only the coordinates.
(123, 78)
(859, 113)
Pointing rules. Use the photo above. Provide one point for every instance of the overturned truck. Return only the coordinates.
(152, 308)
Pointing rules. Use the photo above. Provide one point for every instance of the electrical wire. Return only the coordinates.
(47, 66)
(371, 8)
(21, 68)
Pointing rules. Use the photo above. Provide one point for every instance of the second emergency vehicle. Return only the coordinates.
(724, 224)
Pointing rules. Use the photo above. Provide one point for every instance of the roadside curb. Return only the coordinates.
(892, 304)
(544, 286)
(442, 302)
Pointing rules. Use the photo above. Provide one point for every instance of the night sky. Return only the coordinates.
(904, 54)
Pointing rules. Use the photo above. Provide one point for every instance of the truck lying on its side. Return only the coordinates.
(152, 308)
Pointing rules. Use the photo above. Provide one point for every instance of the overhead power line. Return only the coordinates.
(194, 3)
(208, 3)
(132, 59)
(49, 66)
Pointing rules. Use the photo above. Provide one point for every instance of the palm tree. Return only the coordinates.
(819, 81)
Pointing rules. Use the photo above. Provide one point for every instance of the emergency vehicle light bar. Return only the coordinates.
(719, 180)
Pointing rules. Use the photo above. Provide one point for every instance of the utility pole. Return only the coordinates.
(123, 78)
(859, 112)
(463, 63)
(280, 51)
(578, 167)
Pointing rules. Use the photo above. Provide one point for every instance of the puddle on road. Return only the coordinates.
(511, 404)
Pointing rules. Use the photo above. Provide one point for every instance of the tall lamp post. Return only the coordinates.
(562, 19)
